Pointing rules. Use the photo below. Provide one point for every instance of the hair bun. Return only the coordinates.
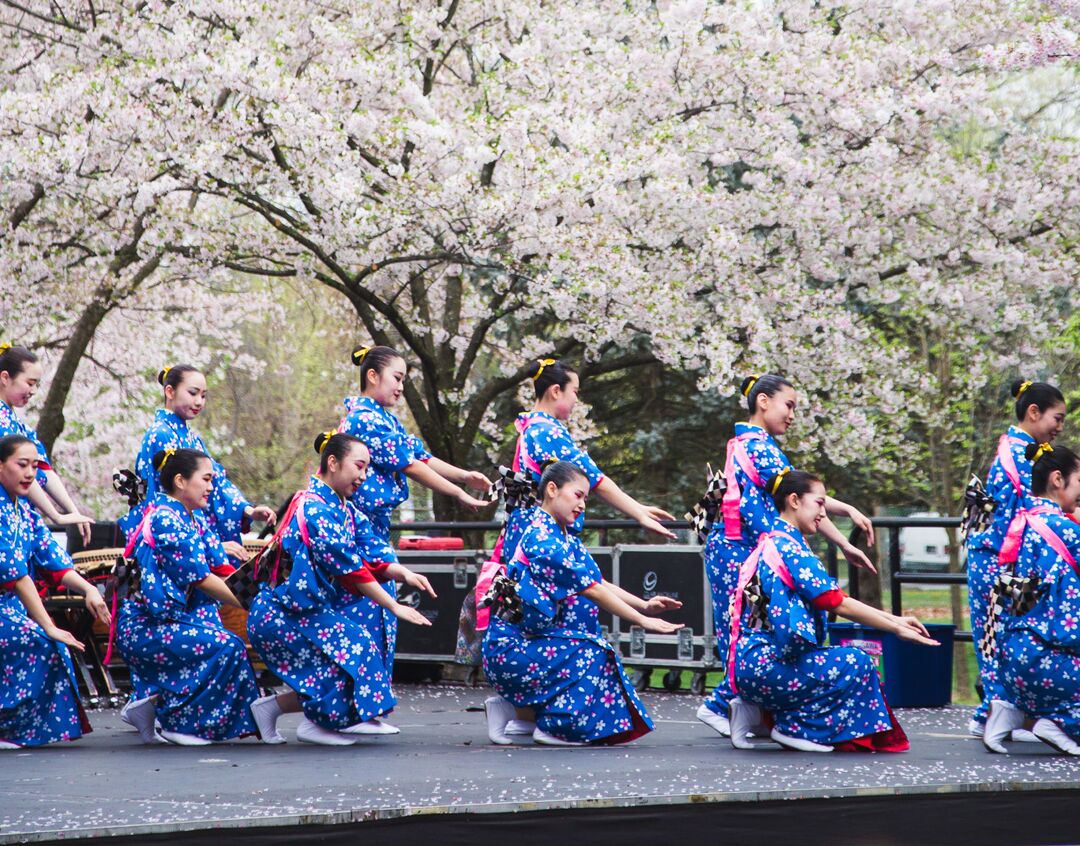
(322, 439)
(1030, 451)
(359, 354)
(162, 373)
(1019, 386)
(747, 384)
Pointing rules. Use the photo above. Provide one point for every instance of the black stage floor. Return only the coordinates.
(441, 778)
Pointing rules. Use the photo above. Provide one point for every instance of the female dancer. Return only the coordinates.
(821, 698)
(39, 697)
(551, 658)
(227, 510)
(543, 437)
(1040, 412)
(329, 659)
(20, 376)
(202, 682)
(1039, 651)
(396, 457)
(753, 455)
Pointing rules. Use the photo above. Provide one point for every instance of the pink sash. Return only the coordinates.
(729, 505)
(765, 549)
(1005, 456)
(142, 530)
(493, 566)
(1010, 549)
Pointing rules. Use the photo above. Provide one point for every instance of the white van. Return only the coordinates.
(925, 547)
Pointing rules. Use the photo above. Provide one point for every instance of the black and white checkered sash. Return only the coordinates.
(704, 513)
(515, 488)
(979, 509)
(1011, 594)
(503, 600)
(130, 485)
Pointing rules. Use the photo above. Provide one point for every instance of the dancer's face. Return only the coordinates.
(188, 398)
(806, 512)
(565, 398)
(1044, 426)
(567, 503)
(346, 476)
(18, 471)
(1065, 490)
(18, 390)
(386, 386)
(778, 411)
(194, 492)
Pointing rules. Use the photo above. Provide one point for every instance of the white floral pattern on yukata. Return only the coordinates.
(303, 629)
(392, 449)
(724, 557)
(225, 510)
(556, 660)
(174, 641)
(1039, 653)
(814, 692)
(39, 697)
(544, 438)
(982, 557)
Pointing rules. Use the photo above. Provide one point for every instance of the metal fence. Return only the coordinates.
(642, 568)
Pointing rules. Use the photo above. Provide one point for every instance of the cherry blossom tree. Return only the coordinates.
(838, 193)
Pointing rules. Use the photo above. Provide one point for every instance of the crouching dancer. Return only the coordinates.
(543, 652)
(39, 699)
(821, 698)
(199, 671)
(302, 628)
(1040, 633)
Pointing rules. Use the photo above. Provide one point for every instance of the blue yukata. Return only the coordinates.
(392, 449)
(543, 438)
(301, 628)
(555, 660)
(39, 696)
(724, 555)
(1039, 652)
(225, 510)
(11, 424)
(983, 550)
(829, 695)
(199, 670)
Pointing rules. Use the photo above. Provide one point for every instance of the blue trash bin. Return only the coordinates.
(912, 675)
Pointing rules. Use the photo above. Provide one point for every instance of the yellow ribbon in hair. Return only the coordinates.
(326, 439)
(1044, 449)
(359, 355)
(4, 347)
(1023, 387)
(779, 478)
(544, 362)
(165, 371)
(750, 385)
(169, 453)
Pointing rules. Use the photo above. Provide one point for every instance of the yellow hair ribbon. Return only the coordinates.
(359, 355)
(4, 347)
(169, 453)
(165, 372)
(544, 362)
(326, 439)
(750, 385)
(779, 478)
(1023, 387)
(1044, 449)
